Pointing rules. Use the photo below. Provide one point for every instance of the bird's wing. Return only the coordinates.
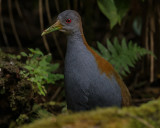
(107, 68)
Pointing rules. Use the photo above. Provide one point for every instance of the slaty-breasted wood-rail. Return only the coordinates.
(90, 81)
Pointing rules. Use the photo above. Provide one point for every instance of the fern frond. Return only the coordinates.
(122, 55)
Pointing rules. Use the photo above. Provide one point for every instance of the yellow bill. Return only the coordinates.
(54, 27)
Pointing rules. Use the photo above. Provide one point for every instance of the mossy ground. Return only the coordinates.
(145, 116)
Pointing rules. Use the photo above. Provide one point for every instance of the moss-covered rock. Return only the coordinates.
(145, 116)
(16, 93)
(20, 101)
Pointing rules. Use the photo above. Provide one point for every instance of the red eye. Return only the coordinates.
(68, 21)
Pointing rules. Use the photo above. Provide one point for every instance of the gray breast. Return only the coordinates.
(85, 86)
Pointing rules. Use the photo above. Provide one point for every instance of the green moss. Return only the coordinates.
(147, 115)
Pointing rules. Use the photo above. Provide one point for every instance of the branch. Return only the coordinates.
(53, 35)
(42, 25)
(13, 25)
(2, 26)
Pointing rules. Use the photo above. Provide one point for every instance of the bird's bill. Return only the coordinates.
(54, 27)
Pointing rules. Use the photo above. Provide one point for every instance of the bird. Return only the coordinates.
(90, 80)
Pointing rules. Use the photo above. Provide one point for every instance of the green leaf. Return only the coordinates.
(111, 48)
(103, 50)
(109, 9)
(18, 57)
(49, 58)
(39, 70)
(114, 10)
(24, 54)
(122, 7)
(123, 56)
(137, 25)
(43, 63)
(42, 91)
(124, 45)
(28, 67)
(36, 51)
(54, 67)
(116, 44)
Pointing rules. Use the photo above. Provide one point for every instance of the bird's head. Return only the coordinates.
(68, 21)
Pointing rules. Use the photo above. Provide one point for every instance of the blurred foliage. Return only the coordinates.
(114, 10)
(145, 116)
(137, 25)
(40, 70)
(122, 55)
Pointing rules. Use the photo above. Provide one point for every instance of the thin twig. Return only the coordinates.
(53, 35)
(57, 6)
(2, 26)
(142, 100)
(146, 35)
(42, 26)
(158, 12)
(152, 30)
(13, 24)
(60, 97)
(68, 4)
(75, 4)
(141, 120)
(22, 18)
(56, 93)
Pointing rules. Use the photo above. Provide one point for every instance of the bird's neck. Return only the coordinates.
(77, 36)
(77, 42)
(76, 39)
(77, 51)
